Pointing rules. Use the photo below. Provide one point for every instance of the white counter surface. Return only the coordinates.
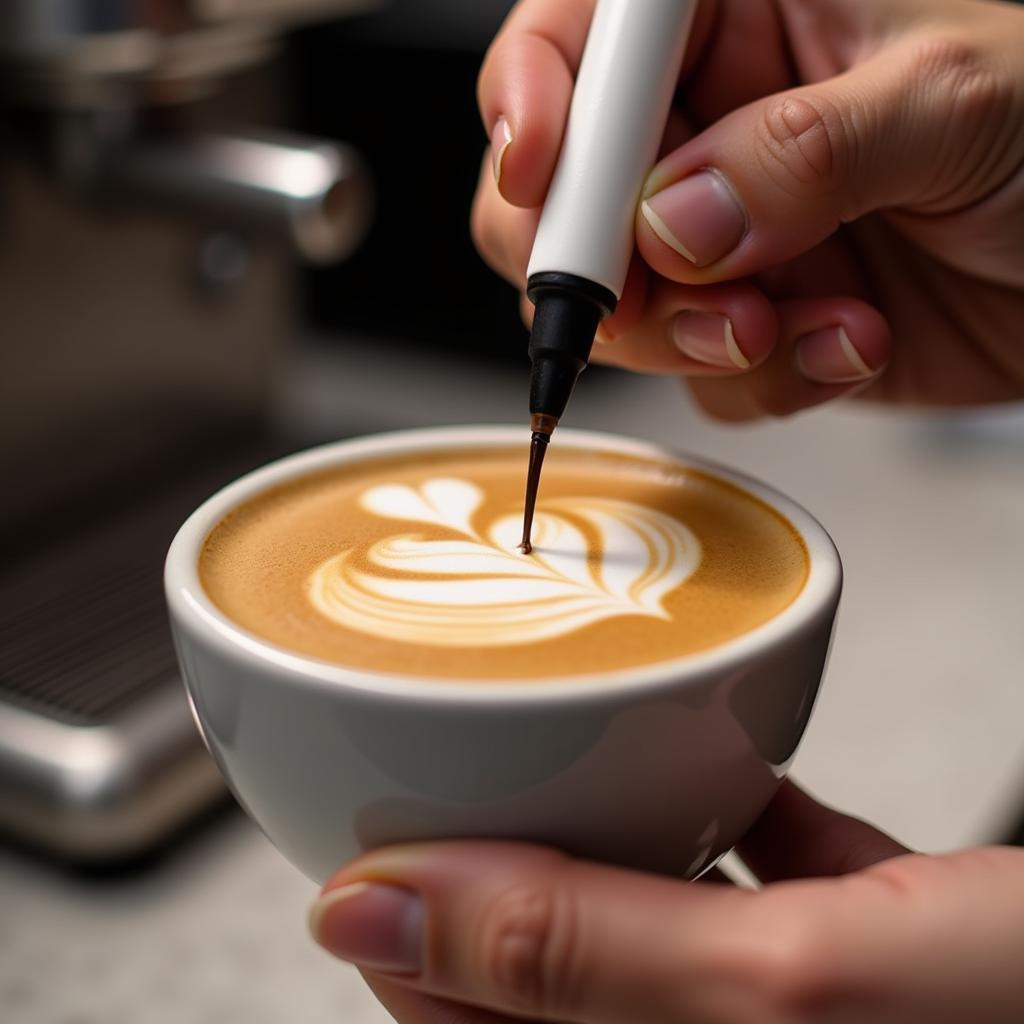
(920, 726)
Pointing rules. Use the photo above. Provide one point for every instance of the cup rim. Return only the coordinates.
(192, 608)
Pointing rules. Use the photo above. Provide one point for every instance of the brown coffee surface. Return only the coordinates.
(265, 563)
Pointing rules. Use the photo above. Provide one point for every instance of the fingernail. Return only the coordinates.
(501, 139)
(708, 338)
(373, 925)
(700, 217)
(829, 357)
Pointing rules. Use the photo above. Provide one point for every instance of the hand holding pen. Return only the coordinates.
(838, 206)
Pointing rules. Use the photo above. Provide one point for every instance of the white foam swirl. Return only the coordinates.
(478, 590)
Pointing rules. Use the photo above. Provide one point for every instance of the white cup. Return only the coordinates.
(662, 767)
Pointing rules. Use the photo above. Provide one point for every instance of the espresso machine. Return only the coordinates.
(153, 212)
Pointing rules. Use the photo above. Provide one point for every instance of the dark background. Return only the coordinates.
(404, 93)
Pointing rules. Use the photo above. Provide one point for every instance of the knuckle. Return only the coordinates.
(781, 970)
(963, 82)
(797, 979)
(804, 983)
(966, 101)
(801, 144)
(528, 944)
(942, 55)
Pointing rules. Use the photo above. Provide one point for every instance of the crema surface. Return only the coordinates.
(410, 564)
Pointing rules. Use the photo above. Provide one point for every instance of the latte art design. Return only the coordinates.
(593, 559)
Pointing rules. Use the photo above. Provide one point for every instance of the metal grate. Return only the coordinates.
(83, 624)
(80, 644)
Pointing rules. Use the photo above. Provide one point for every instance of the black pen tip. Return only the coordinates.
(538, 447)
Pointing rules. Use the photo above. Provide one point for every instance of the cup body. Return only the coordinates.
(661, 768)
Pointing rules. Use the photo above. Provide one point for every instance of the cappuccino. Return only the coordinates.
(410, 564)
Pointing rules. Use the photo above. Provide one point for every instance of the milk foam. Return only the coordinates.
(593, 559)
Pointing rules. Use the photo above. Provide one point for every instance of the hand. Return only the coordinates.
(843, 191)
(850, 929)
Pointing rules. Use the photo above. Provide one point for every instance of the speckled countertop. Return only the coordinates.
(919, 726)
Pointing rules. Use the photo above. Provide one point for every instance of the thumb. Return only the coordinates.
(526, 931)
(913, 126)
(523, 932)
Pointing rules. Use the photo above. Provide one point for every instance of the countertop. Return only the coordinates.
(918, 728)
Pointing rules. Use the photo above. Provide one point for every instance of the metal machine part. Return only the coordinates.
(99, 757)
(313, 193)
(98, 68)
(146, 300)
(87, 53)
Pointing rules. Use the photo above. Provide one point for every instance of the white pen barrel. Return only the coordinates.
(623, 91)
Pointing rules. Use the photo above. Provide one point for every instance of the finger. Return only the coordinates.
(526, 84)
(524, 91)
(828, 348)
(527, 931)
(408, 1006)
(631, 308)
(526, 310)
(749, 35)
(632, 304)
(797, 837)
(502, 233)
(776, 177)
(715, 331)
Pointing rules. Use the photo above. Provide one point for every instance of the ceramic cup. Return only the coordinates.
(662, 767)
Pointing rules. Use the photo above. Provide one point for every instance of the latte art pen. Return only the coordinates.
(584, 241)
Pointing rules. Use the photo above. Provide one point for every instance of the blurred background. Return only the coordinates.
(230, 229)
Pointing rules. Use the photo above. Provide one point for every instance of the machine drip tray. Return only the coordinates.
(99, 756)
